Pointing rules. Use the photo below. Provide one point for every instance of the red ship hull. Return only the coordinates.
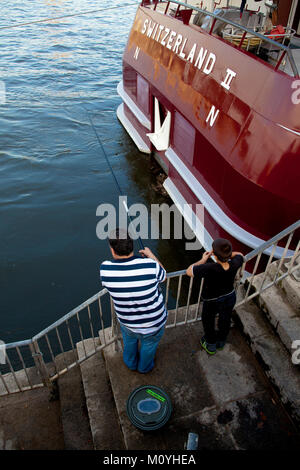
(234, 142)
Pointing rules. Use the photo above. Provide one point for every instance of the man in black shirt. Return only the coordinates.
(218, 293)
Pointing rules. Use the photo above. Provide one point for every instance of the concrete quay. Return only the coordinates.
(245, 397)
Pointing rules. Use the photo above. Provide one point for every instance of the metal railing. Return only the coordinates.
(58, 340)
(257, 261)
(41, 360)
(260, 260)
(284, 51)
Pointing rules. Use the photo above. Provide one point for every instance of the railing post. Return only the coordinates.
(283, 255)
(189, 298)
(199, 299)
(178, 297)
(213, 25)
(115, 326)
(296, 254)
(280, 60)
(242, 40)
(4, 383)
(39, 363)
(167, 293)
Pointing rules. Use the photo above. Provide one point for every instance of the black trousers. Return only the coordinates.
(222, 306)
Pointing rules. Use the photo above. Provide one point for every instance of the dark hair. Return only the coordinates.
(222, 249)
(121, 242)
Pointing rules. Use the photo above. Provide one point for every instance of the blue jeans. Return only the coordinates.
(143, 359)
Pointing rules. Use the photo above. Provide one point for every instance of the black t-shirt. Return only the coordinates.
(217, 281)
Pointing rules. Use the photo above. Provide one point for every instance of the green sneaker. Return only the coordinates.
(209, 348)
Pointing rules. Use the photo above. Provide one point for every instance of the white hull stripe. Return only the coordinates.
(133, 107)
(137, 139)
(287, 129)
(203, 236)
(215, 211)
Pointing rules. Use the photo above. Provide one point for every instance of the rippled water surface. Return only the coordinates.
(52, 168)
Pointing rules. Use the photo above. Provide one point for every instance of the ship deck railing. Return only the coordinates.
(33, 363)
(251, 40)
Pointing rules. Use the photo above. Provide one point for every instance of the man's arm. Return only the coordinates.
(161, 272)
(148, 253)
(102, 272)
(237, 259)
(203, 260)
(234, 253)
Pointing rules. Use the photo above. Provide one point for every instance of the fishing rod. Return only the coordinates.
(87, 111)
(46, 20)
(113, 173)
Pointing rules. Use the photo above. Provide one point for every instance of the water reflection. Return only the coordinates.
(53, 172)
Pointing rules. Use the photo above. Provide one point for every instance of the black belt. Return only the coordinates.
(221, 296)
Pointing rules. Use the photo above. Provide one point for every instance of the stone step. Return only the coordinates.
(74, 415)
(104, 423)
(291, 288)
(281, 314)
(7, 444)
(224, 398)
(20, 379)
(31, 421)
(290, 284)
(273, 356)
(180, 383)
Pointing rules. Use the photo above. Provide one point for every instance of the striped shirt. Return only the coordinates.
(133, 285)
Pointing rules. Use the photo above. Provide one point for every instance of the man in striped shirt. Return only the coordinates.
(133, 283)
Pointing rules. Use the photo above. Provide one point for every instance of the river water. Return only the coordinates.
(53, 171)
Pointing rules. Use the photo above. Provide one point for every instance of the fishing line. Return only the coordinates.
(87, 111)
(66, 16)
(113, 173)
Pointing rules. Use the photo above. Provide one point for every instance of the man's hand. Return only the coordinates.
(147, 252)
(205, 256)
